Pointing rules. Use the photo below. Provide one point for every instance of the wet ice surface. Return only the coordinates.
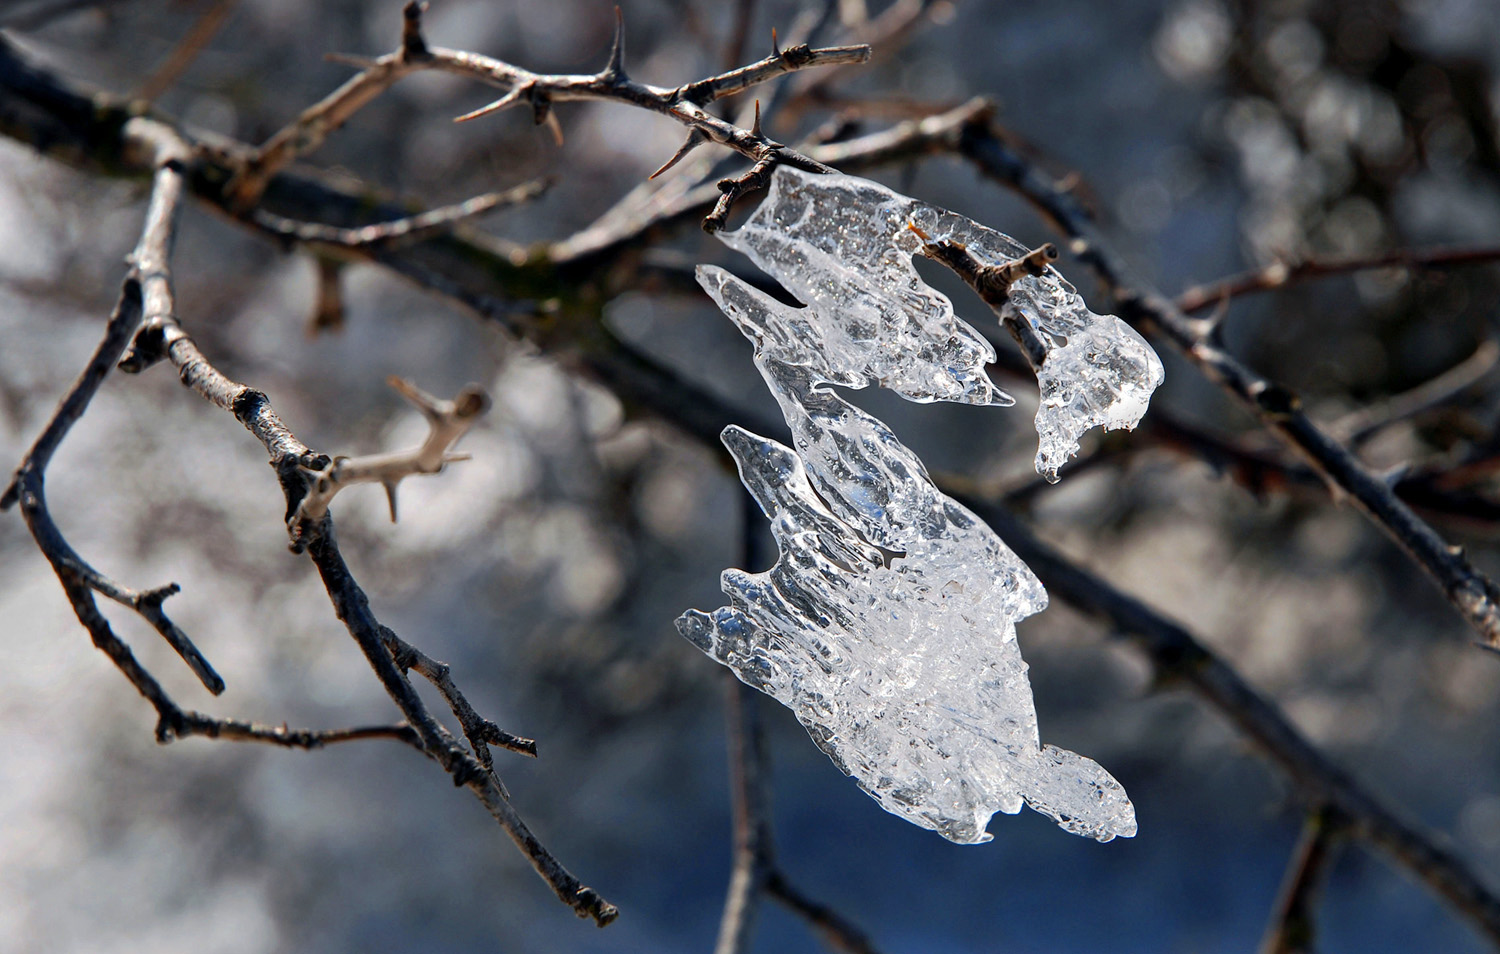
(887, 624)
(843, 246)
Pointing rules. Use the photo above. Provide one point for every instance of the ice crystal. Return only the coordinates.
(887, 623)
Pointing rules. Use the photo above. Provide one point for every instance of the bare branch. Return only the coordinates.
(353, 607)
(449, 420)
(398, 232)
(1291, 930)
(1180, 658)
(683, 103)
(1282, 274)
(147, 307)
(481, 732)
(1473, 593)
(204, 29)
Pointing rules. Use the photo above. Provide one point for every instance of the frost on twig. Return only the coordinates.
(449, 420)
(887, 624)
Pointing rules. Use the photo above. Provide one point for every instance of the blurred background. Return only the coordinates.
(1209, 137)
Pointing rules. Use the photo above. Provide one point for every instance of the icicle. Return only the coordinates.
(887, 623)
(842, 245)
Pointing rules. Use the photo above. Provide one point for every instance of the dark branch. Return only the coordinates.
(1279, 409)
(1292, 929)
(1282, 274)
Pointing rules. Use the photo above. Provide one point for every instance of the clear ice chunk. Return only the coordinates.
(842, 245)
(887, 623)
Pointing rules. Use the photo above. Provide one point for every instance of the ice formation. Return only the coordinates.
(843, 246)
(887, 624)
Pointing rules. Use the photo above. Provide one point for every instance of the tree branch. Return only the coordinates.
(1279, 275)
(1475, 596)
(685, 104)
(148, 309)
(1180, 658)
(1292, 930)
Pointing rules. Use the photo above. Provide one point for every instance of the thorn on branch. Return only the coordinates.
(449, 421)
(614, 69)
(413, 47)
(693, 141)
(517, 92)
(543, 113)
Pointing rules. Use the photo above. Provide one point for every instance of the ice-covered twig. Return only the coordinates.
(449, 420)
(844, 246)
(887, 624)
(756, 870)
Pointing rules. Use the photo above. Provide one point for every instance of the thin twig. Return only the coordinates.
(397, 232)
(755, 870)
(448, 421)
(328, 308)
(481, 732)
(1359, 426)
(685, 104)
(147, 308)
(1279, 275)
(1292, 929)
(204, 29)
(754, 850)
(837, 931)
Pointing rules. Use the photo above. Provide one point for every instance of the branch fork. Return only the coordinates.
(449, 421)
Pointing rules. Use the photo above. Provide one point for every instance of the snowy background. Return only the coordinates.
(549, 569)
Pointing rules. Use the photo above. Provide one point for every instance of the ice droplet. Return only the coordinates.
(887, 624)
